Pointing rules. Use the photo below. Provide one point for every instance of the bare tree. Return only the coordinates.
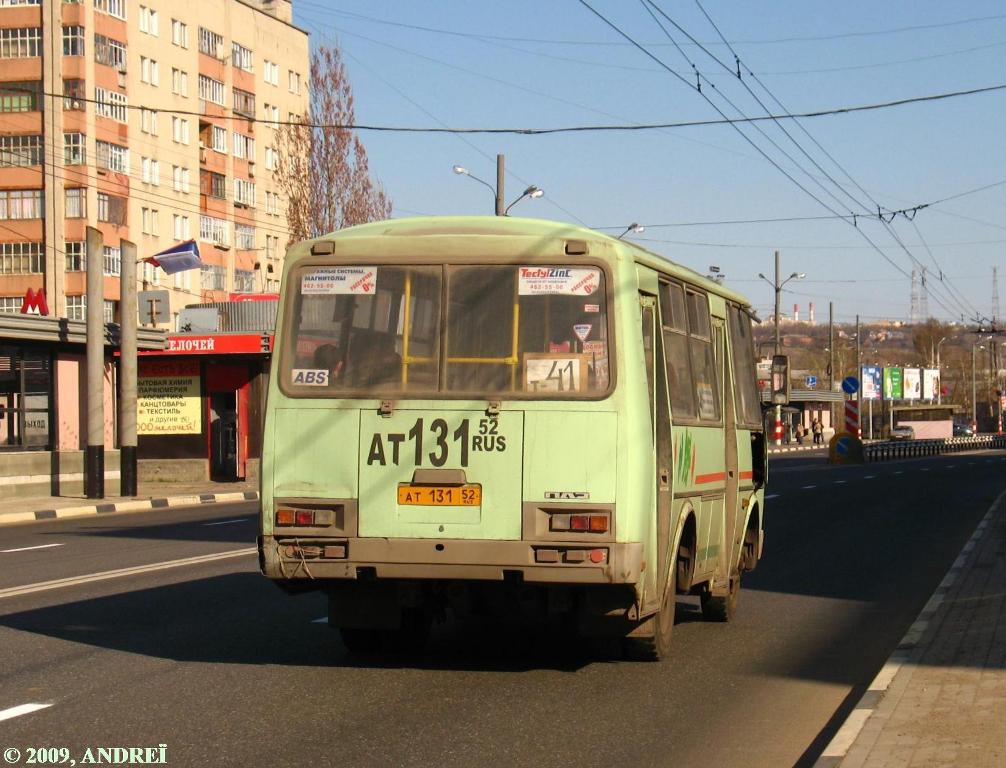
(323, 171)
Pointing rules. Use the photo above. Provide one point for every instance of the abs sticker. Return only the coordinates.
(356, 281)
(310, 377)
(566, 281)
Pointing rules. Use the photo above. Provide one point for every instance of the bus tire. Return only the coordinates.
(360, 641)
(722, 608)
(653, 641)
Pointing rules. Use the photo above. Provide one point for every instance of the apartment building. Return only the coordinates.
(155, 122)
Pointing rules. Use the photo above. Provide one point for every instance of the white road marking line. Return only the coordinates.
(26, 549)
(322, 620)
(840, 482)
(899, 472)
(772, 496)
(45, 586)
(809, 487)
(21, 709)
(228, 522)
(951, 466)
(869, 477)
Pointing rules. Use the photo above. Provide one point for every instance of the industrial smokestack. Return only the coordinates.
(796, 313)
(810, 319)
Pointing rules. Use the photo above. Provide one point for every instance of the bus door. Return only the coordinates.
(660, 426)
(730, 506)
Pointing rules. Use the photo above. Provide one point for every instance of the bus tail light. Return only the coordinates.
(305, 518)
(585, 523)
(286, 516)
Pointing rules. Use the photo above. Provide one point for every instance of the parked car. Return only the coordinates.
(903, 432)
(963, 430)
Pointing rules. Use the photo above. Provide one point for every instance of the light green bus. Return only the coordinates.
(501, 415)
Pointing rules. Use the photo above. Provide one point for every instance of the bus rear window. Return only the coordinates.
(537, 331)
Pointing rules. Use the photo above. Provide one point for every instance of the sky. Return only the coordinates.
(524, 64)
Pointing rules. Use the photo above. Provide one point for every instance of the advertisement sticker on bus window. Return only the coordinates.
(707, 400)
(565, 281)
(598, 354)
(582, 330)
(361, 281)
(310, 377)
(558, 346)
(591, 308)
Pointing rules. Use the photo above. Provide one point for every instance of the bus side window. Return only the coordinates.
(704, 368)
(743, 368)
(679, 367)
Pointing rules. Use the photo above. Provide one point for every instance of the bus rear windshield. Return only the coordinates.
(538, 331)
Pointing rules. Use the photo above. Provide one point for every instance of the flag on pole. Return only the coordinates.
(177, 258)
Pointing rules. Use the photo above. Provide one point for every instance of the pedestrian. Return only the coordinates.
(799, 434)
(818, 429)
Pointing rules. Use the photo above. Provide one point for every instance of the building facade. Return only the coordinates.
(155, 122)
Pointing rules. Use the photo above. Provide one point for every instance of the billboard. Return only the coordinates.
(913, 383)
(168, 401)
(930, 383)
(870, 383)
(893, 389)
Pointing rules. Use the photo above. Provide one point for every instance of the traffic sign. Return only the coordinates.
(811, 382)
(850, 385)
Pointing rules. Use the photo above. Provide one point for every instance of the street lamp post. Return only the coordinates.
(777, 287)
(974, 387)
(532, 191)
(939, 388)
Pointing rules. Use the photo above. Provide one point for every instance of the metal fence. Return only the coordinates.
(906, 449)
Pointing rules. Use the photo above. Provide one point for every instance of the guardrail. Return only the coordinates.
(907, 449)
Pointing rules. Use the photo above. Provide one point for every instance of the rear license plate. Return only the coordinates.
(440, 495)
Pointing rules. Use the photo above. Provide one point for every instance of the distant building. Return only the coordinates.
(85, 140)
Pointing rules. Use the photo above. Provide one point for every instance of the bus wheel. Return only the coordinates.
(722, 608)
(653, 643)
(361, 641)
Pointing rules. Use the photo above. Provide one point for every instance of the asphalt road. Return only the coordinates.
(210, 659)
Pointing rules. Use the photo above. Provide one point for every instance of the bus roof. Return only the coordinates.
(435, 226)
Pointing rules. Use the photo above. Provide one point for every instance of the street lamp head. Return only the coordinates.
(534, 191)
(461, 170)
(799, 275)
(762, 276)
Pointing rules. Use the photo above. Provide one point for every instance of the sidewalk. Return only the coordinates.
(152, 495)
(941, 698)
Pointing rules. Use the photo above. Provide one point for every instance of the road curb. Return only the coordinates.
(188, 500)
(899, 661)
(794, 448)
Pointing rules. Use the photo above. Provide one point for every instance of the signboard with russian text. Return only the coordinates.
(568, 281)
(168, 400)
(871, 382)
(912, 384)
(893, 384)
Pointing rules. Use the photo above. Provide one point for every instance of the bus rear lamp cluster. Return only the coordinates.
(316, 518)
(570, 555)
(579, 523)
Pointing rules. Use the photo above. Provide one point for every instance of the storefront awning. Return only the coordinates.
(57, 330)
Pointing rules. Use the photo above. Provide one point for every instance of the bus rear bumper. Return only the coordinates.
(309, 558)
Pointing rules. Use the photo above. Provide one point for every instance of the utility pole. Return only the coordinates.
(777, 286)
(778, 293)
(831, 356)
(127, 370)
(500, 205)
(859, 376)
(94, 455)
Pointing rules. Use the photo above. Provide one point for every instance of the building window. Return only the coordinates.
(148, 121)
(76, 255)
(271, 159)
(271, 202)
(241, 57)
(213, 278)
(244, 192)
(116, 8)
(148, 21)
(271, 72)
(21, 259)
(213, 184)
(109, 52)
(112, 264)
(149, 71)
(211, 90)
(244, 103)
(180, 178)
(214, 230)
(18, 204)
(74, 149)
(20, 42)
(11, 304)
(244, 281)
(271, 246)
(111, 209)
(112, 157)
(150, 171)
(244, 146)
(76, 307)
(73, 94)
(210, 43)
(20, 151)
(75, 203)
(179, 33)
(20, 96)
(150, 218)
(112, 105)
(179, 130)
(219, 139)
(15, 3)
(180, 228)
(244, 236)
(179, 82)
(108, 311)
(73, 41)
(293, 83)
